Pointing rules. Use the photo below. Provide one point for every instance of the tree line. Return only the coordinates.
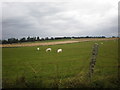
(33, 39)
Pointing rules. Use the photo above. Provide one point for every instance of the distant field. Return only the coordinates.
(53, 42)
(25, 67)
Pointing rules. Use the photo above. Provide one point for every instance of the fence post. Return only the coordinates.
(93, 59)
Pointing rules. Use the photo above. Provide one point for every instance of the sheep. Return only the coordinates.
(96, 43)
(101, 42)
(38, 49)
(59, 50)
(48, 49)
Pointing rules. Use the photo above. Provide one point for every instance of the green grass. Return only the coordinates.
(27, 67)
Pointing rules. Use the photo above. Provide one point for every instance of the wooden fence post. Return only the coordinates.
(93, 59)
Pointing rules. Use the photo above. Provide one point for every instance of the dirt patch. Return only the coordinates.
(53, 43)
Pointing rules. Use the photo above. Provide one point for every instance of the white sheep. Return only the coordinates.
(38, 49)
(101, 42)
(48, 49)
(96, 43)
(59, 50)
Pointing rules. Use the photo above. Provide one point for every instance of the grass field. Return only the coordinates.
(25, 67)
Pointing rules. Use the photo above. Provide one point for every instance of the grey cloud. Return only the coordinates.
(57, 19)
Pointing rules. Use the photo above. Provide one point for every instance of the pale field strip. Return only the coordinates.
(54, 43)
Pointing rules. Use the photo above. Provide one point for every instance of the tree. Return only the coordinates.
(42, 39)
(23, 39)
(28, 39)
(12, 40)
(4, 42)
(113, 36)
(0, 41)
(38, 39)
(52, 38)
(46, 38)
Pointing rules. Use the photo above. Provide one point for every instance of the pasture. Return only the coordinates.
(26, 67)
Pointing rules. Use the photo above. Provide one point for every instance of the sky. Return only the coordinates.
(54, 19)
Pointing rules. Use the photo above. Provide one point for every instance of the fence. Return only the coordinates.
(93, 59)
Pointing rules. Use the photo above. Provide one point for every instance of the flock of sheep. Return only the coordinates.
(49, 49)
(58, 50)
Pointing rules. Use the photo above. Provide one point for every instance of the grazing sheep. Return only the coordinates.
(48, 49)
(96, 43)
(101, 42)
(59, 50)
(38, 49)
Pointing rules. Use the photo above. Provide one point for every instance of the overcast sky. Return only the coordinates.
(50, 19)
